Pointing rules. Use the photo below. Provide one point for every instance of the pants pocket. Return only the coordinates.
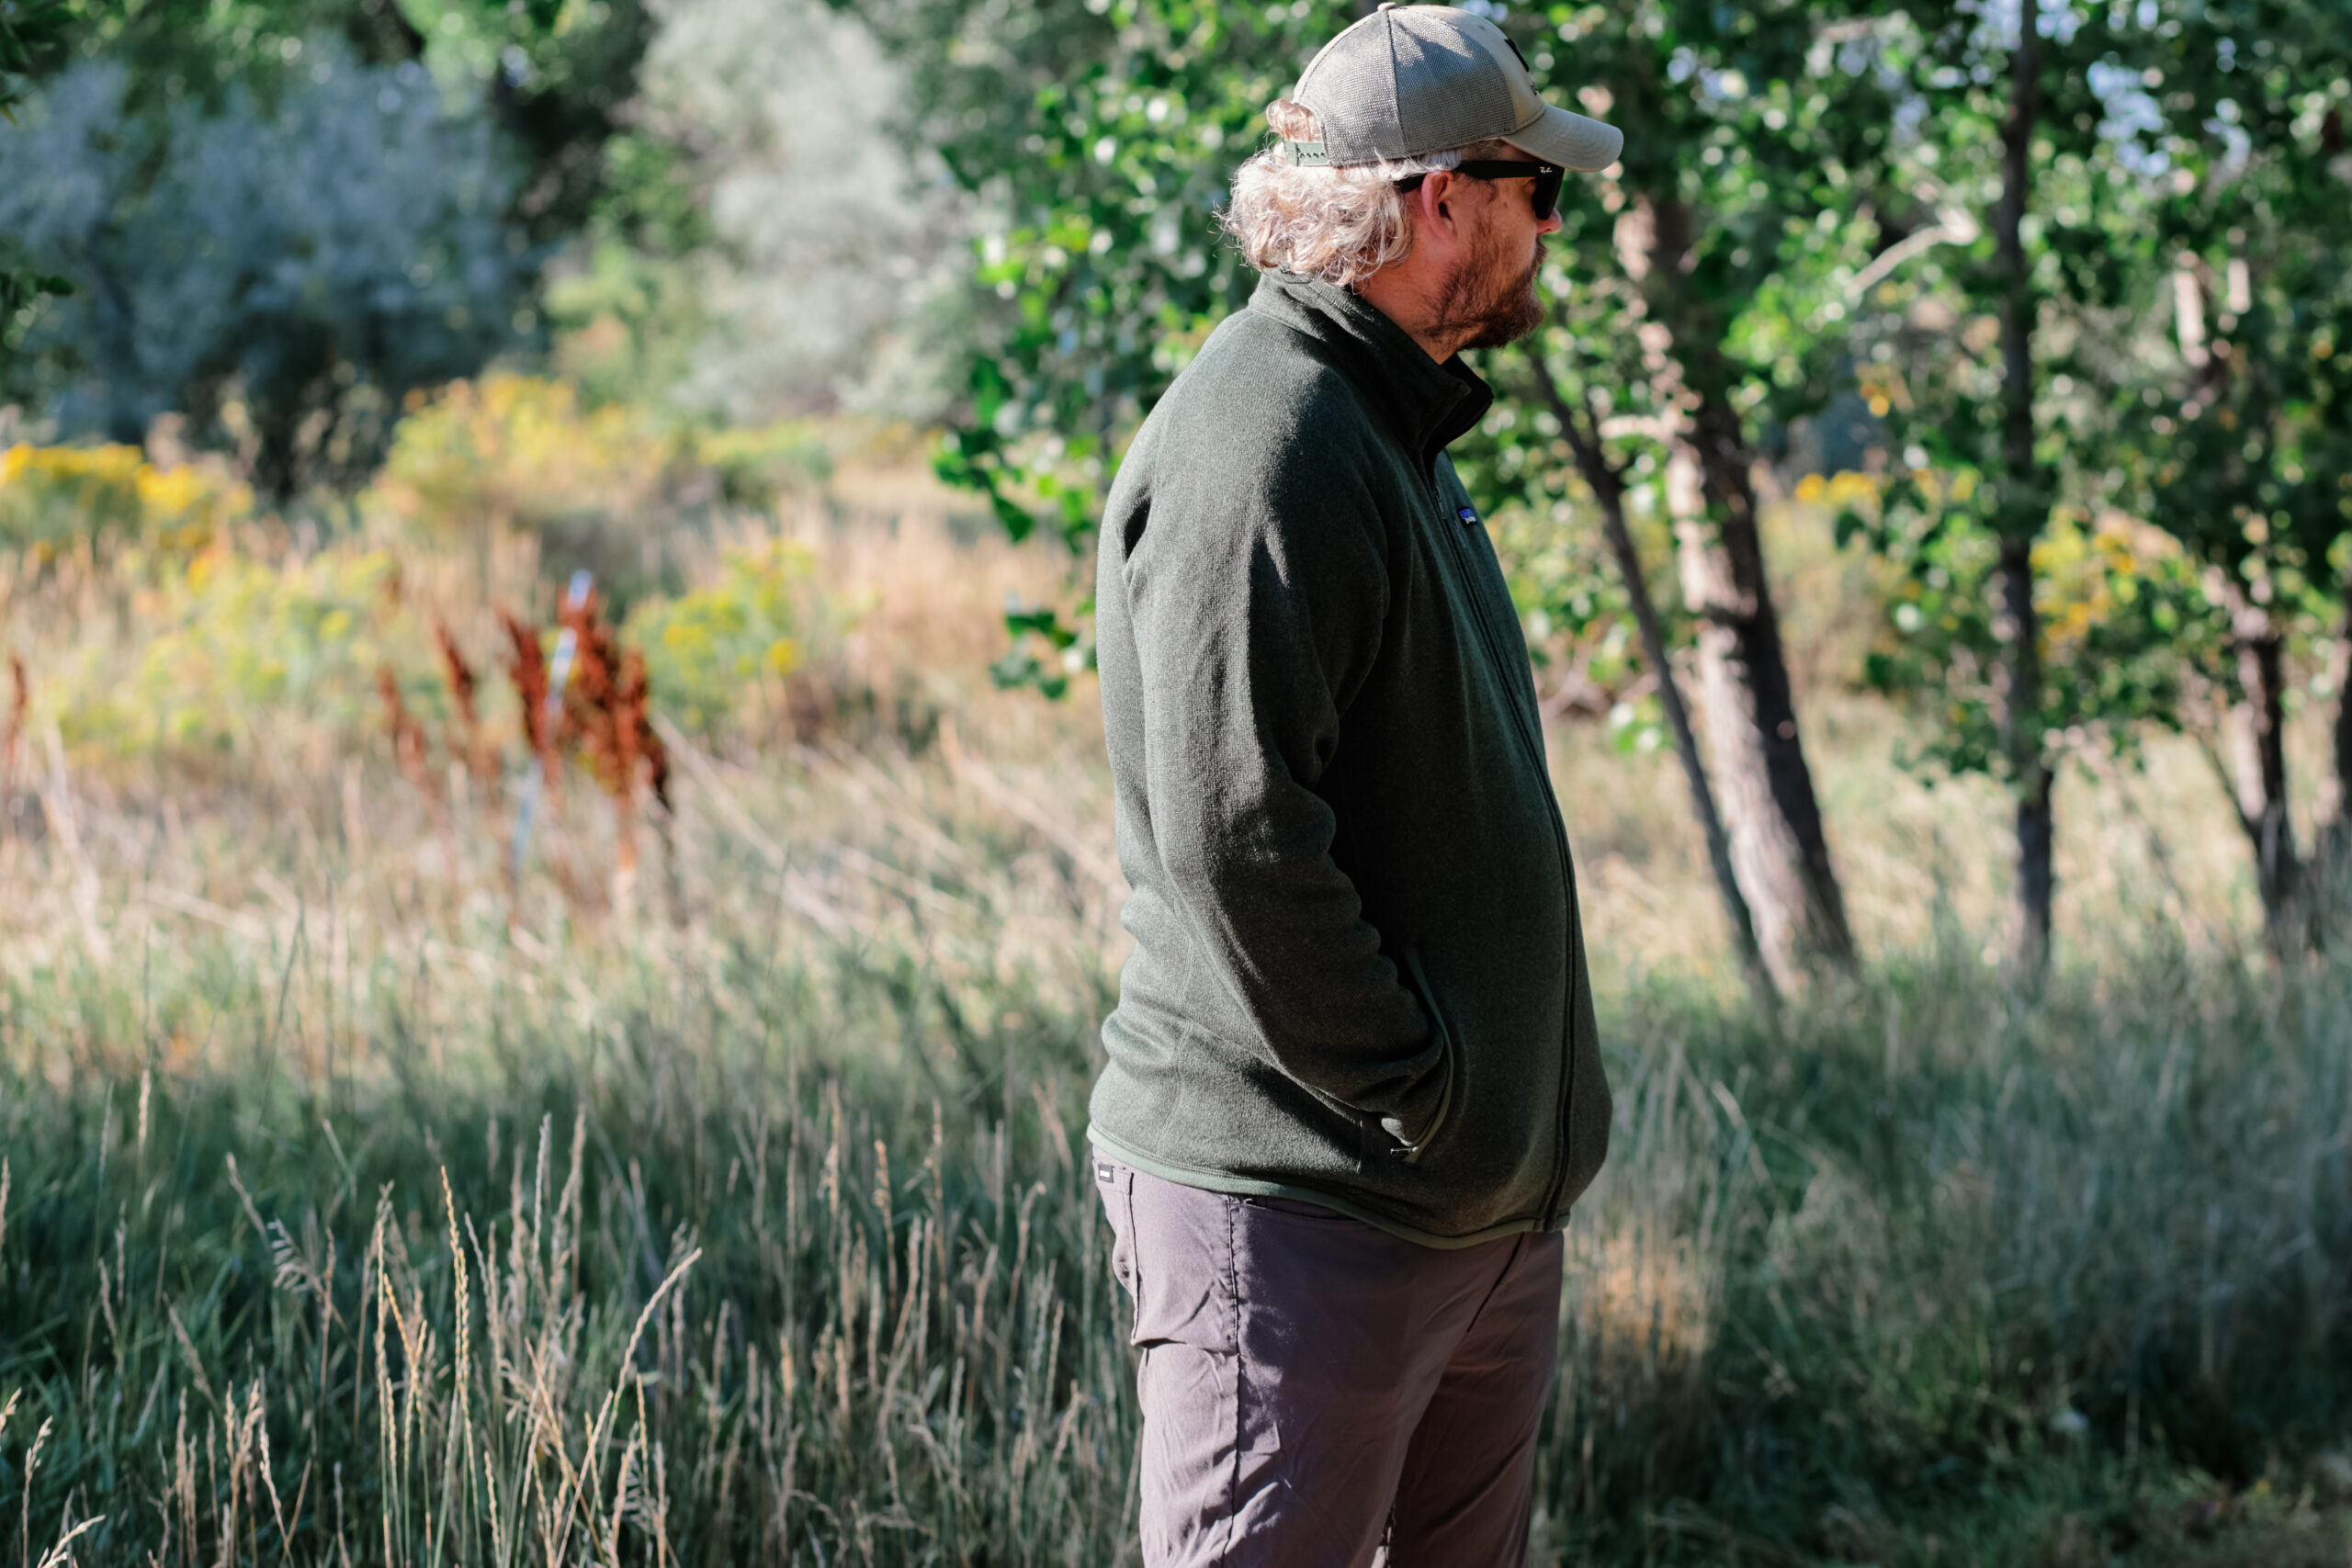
(1115, 1184)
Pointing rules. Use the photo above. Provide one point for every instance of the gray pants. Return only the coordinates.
(1318, 1393)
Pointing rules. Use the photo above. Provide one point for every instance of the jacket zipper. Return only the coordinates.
(1559, 841)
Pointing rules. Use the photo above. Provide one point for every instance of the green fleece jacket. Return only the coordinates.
(1358, 976)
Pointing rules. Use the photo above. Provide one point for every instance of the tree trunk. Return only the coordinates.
(2330, 870)
(2022, 511)
(1777, 848)
(2036, 826)
(2258, 726)
(1581, 430)
(1778, 845)
(2018, 697)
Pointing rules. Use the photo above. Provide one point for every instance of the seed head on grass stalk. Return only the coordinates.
(24, 1512)
(636, 720)
(62, 1554)
(479, 760)
(12, 734)
(408, 735)
(529, 670)
(608, 704)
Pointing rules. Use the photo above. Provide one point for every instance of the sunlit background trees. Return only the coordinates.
(2074, 276)
(1929, 502)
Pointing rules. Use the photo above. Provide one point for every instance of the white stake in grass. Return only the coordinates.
(565, 645)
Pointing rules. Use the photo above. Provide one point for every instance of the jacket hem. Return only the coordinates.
(1254, 1187)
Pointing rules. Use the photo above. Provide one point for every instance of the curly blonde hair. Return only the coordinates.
(1339, 225)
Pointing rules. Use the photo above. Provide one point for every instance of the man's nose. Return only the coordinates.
(1550, 225)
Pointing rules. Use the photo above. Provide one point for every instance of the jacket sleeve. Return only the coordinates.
(1257, 593)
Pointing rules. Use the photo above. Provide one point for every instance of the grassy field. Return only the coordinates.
(352, 1212)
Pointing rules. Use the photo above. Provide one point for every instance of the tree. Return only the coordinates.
(1580, 425)
(1102, 136)
(2123, 628)
(323, 324)
(2142, 317)
(558, 78)
(2022, 508)
(31, 36)
(1987, 370)
(561, 79)
(284, 275)
(1099, 139)
(1708, 306)
(833, 241)
(2236, 428)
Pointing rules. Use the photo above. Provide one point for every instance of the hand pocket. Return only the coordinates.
(1409, 1148)
(1116, 1186)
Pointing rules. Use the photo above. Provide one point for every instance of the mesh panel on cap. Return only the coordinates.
(1352, 87)
(1449, 92)
(1527, 106)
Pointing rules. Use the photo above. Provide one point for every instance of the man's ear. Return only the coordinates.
(1440, 196)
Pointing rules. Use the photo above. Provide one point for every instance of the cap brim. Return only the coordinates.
(1571, 141)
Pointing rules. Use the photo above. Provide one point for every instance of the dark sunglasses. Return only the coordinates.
(1548, 177)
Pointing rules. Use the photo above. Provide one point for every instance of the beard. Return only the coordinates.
(1489, 300)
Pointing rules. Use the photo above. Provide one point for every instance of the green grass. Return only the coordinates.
(778, 1244)
(883, 1328)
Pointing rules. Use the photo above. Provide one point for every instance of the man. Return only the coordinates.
(1354, 1085)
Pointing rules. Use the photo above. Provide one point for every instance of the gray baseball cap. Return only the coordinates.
(1411, 80)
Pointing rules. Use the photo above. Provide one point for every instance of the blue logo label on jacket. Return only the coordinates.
(1468, 515)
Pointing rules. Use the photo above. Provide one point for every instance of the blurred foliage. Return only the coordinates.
(282, 274)
(2235, 436)
(511, 451)
(1066, 650)
(2186, 181)
(1573, 612)
(834, 272)
(251, 634)
(755, 465)
(269, 165)
(2126, 619)
(557, 76)
(719, 655)
(624, 321)
(1937, 317)
(32, 32)
(1099, 137)
(1708, 266)
(609, 489)
(54, 497)
(239, 652)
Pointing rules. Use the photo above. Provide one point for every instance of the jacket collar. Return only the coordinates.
(1431, 404)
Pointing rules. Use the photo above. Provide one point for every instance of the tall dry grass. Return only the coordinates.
(353, 1214)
